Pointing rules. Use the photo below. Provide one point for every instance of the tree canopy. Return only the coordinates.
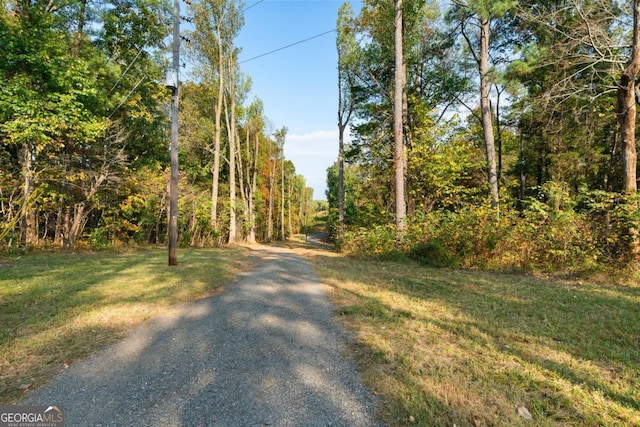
(514, 119)
(540, 89)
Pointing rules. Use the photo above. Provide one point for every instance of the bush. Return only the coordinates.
(433, 253)
(377, 241)
(549, 236)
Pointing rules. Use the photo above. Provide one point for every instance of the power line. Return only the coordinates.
(128, 95)
(254, 4)
(127, 70)
(288, 46)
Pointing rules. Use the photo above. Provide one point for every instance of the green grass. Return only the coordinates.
(444, 347)
(56, 308)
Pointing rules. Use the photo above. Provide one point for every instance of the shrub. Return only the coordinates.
(549, 236)
(433, 253)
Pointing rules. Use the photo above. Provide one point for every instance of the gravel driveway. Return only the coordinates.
(265, 352)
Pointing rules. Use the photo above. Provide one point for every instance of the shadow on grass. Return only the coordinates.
(558, 338)
(58, 307)
(265, 352)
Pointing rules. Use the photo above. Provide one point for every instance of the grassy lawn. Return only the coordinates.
(443, 347)
(58, 307)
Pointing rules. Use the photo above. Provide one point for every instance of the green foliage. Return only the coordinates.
(433, 253)
(376, 241)
(551, 235)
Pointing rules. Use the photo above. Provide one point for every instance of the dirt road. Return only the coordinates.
(264, 352)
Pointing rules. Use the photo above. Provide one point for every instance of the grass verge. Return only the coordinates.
(466, 348)
(56, 308)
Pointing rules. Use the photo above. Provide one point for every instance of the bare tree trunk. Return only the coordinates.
(254, 188)
(66, 226)
(28, 233)
(218, 135)
(272, 179)
(80, 32)
(399, 83)
(76, 225)
(626, 111)
(282, 234)
(244, 188)
(301, 210)
(341, 128)
(499, 134)
(485, 106)
(289, 211)
(345, 43)
(232, 157)
(626, 108)
(57, 237)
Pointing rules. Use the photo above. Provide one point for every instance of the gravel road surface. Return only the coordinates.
(264, 352)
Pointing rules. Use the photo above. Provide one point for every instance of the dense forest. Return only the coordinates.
(85, 129)
(516, 148)
(487, 134)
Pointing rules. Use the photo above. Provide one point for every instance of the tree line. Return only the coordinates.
(84, 130)
(503, 130)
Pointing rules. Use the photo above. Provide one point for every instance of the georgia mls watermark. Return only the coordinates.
(31, 416)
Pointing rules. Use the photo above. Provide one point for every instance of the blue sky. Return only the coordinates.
(298, 85)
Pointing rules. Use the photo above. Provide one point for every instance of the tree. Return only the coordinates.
(249, 167)
(346, 46)
(398, 119)
(569, 65)
(429, 89)
(626, 111)
(281, 136)
(475, 20)
(626, 107)
(217, 23)
(232, 131)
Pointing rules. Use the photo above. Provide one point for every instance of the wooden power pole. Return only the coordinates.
(173, 84)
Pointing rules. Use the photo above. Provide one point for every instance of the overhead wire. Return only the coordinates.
(288, 46)
(254, 4)
(127, 70)
(128, 95)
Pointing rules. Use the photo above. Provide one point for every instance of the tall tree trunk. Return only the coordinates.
(254, 188)
(301, 210)
(28, 232)
(485, 106)
(66, 226)
(80, 33)
(272, 182)
(248, 184)
(289, 211)
(345, 44)
(626, 110)
(76, 225)
(243, 184)
(218, 130)
(399, 84)
(232, 157)
(282, 233)
(499, 134)
(341, 128)
(58, 234)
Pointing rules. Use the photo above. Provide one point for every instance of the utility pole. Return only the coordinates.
(398, 121)
(173, 83)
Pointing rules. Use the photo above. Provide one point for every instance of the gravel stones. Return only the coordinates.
(265, 352)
